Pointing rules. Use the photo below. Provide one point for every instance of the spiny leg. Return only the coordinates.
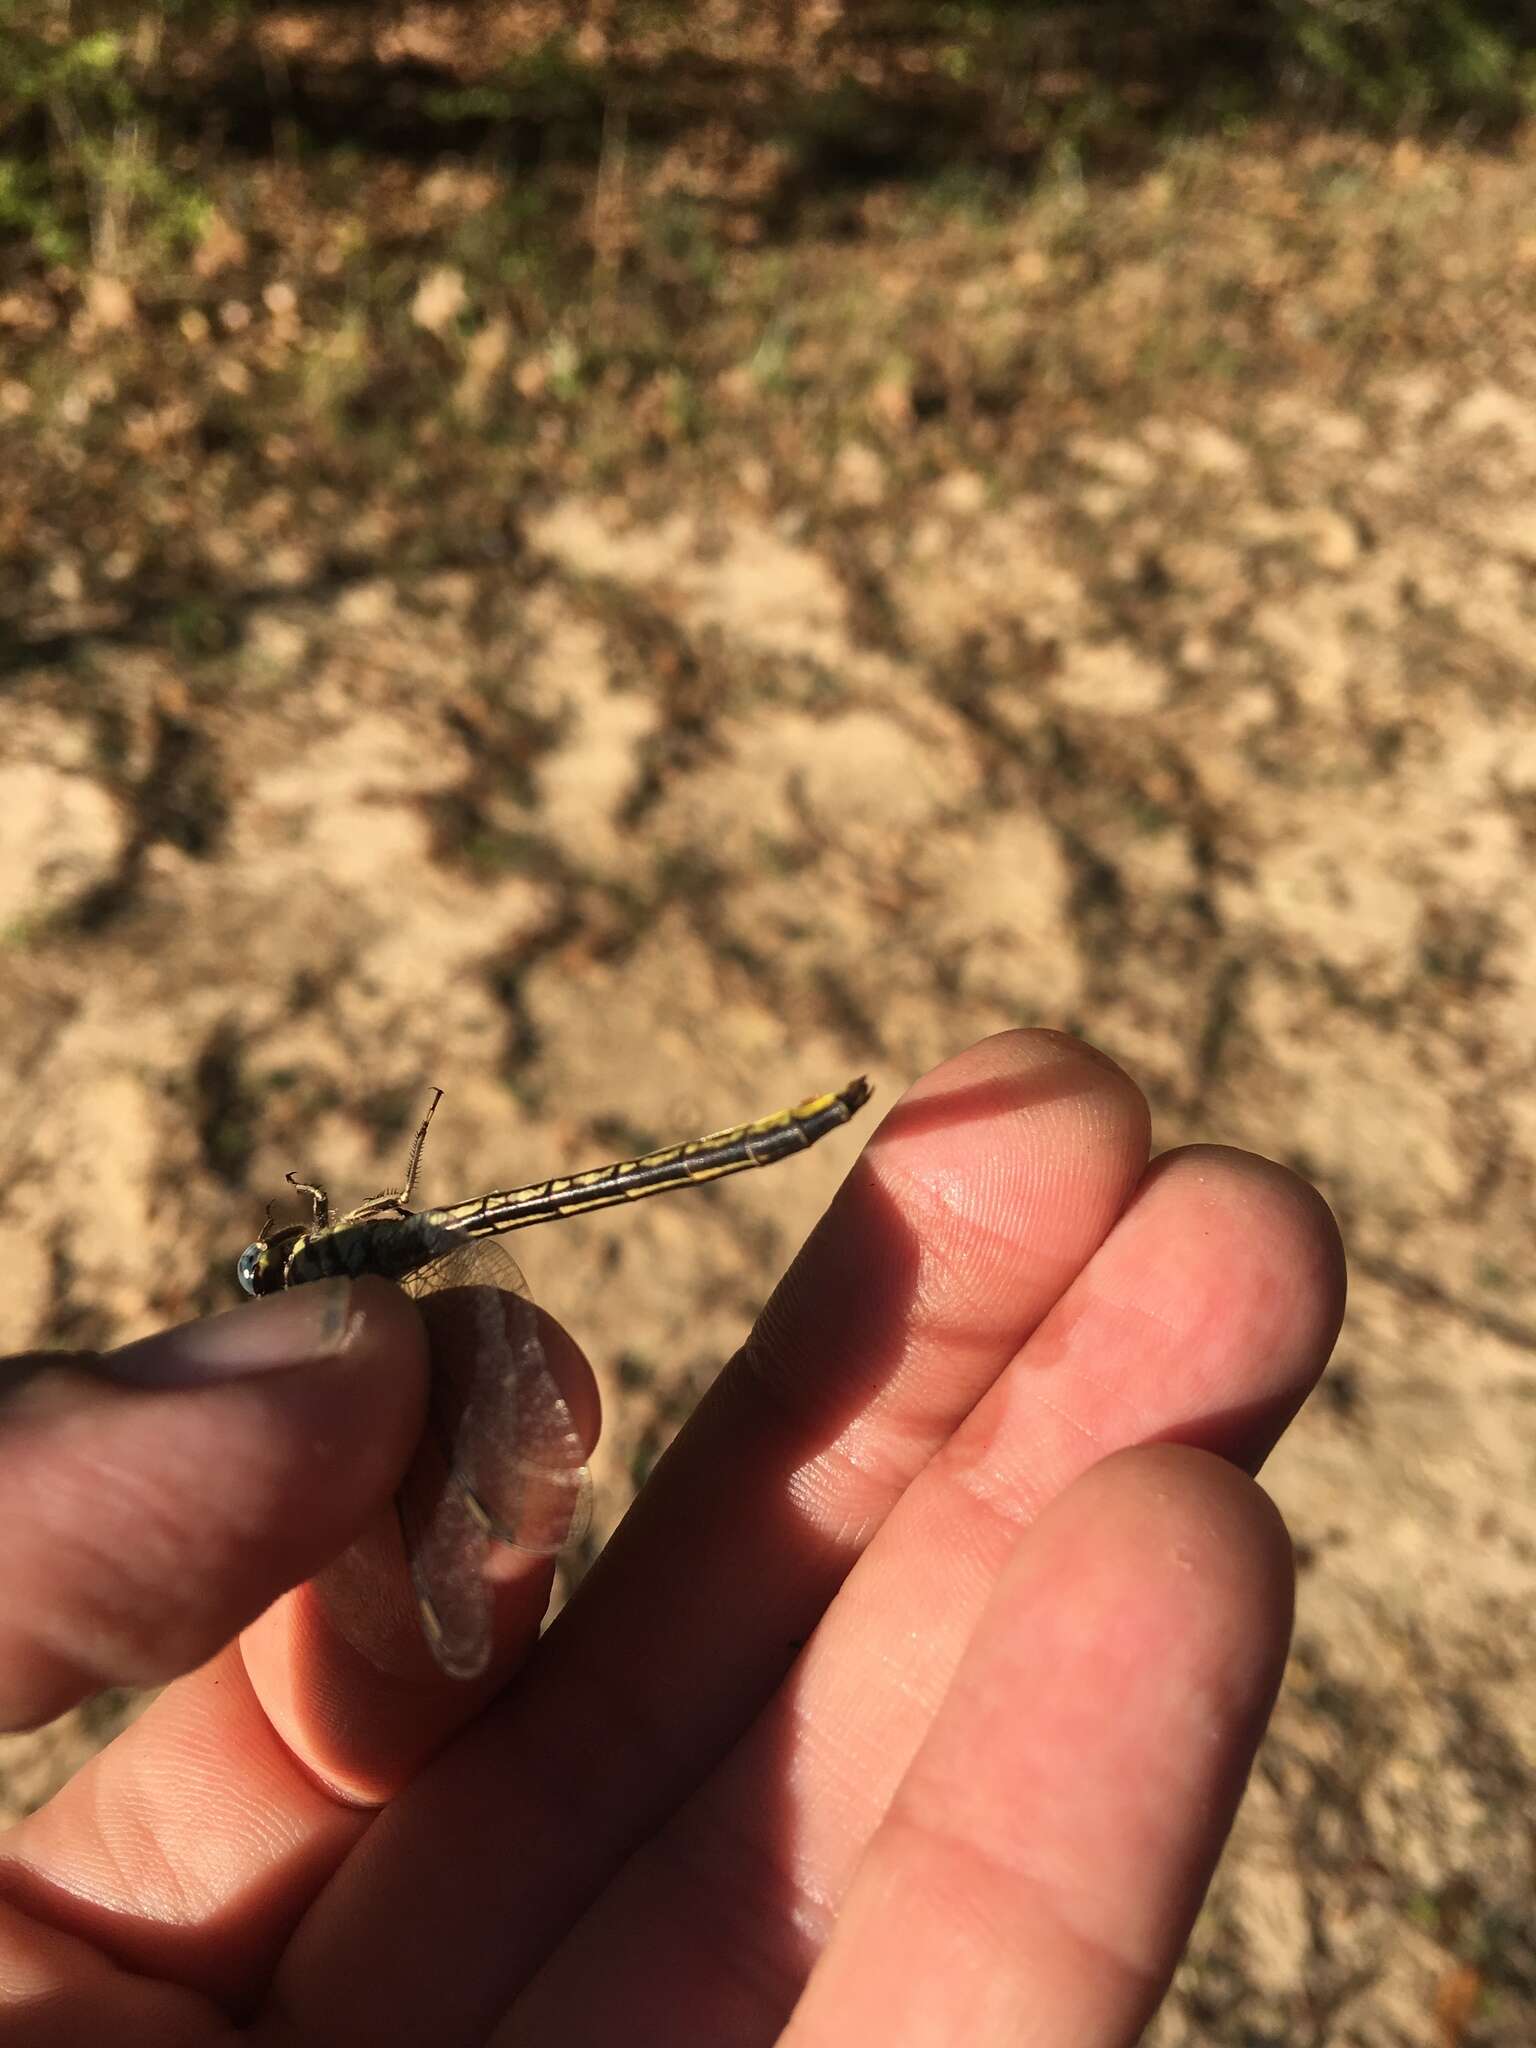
(318, 1196)
(404, 1195)
(398, 1198)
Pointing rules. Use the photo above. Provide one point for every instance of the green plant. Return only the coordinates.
(79, 169)
(1403, 63)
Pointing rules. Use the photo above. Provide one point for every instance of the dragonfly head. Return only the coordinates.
(261, 1267)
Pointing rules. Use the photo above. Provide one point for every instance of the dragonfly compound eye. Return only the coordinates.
(246, 1267)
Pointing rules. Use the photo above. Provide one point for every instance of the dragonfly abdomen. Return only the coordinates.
(630, 1180)
(399, 1244)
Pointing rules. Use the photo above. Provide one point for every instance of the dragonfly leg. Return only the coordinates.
(421, 1138)
(398, 1198)
(318, 1196)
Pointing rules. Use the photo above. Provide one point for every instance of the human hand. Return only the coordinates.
(897, 1710)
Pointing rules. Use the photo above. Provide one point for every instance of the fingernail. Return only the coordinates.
(298, 1327)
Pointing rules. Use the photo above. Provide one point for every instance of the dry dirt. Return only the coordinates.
(1213, 737)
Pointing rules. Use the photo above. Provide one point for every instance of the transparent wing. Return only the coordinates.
(448, 1550)
(503, 1461)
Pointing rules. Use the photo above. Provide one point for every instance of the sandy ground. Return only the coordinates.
(1213, 738)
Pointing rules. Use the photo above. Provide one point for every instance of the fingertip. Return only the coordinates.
(1029, 1138)
(1292, 1214)
(1250, 1246)
(1166, 1574)
(302, 1326)
(1122, 1674)
(1018, 1071)
(1204, 1525)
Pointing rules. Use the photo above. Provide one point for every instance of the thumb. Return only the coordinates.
(154, 1500)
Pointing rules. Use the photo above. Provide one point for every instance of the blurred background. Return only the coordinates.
(632, 561)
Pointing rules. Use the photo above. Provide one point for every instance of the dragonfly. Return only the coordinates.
(501, 1461)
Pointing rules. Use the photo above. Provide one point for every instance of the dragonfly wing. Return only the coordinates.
(502, 1423)
(503, 1459)
(447, 1549)
(447, 1597)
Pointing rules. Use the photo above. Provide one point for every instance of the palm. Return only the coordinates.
(857, 1729)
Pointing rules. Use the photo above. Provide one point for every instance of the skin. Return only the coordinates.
(911, 1703)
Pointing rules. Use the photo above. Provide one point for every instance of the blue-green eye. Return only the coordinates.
(246, 1267)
